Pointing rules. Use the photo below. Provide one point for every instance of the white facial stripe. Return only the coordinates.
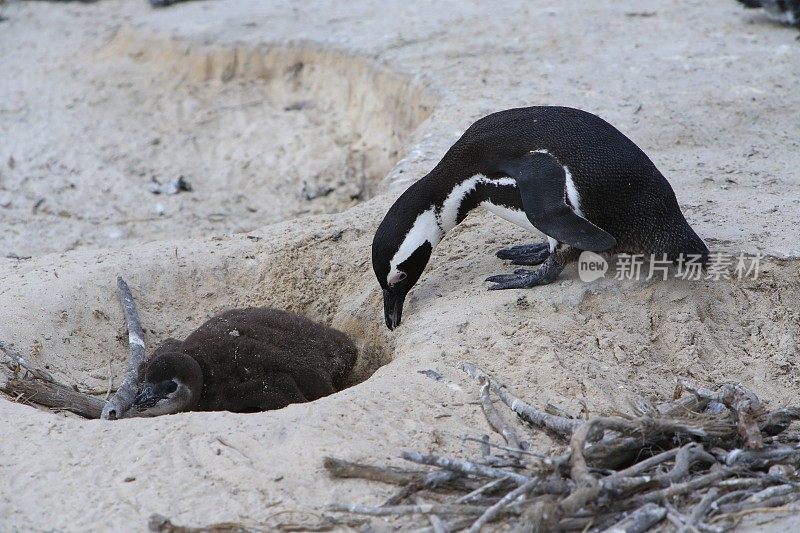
(425, 228)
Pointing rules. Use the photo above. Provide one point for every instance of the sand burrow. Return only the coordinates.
(72, 324)
(261, 134)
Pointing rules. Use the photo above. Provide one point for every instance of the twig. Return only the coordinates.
(465, 467)
(687, 456)
(456, 524)
(545, 459)
(430, 481)
(760, 457)
(386, 474)
(647, 464)
(699, 512)
(747, 407)
(682, 488)
(38, 373)
(495, 509)
(122, 400)
(494, 418)
(436, 523)
(49, 393)
(425, 509)
(560, 426)
(640, 520)
(480, 491)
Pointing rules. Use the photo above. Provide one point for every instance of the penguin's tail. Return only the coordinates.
(689, 246)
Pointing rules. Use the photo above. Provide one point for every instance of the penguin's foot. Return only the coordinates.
(523, 278)
(526, 254)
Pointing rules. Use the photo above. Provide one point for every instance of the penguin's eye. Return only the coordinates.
(171, 386)
(397, 278)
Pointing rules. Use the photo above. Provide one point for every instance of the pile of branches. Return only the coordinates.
(698, 463)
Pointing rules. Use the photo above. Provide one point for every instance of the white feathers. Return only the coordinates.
(425, 229)
(572, 193)
(448, 216)
(515, 216)
(431, 225)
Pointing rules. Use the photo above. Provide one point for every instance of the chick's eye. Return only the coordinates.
(397, 278)
(171, 386)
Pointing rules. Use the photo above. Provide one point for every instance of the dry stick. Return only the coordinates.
(495, 509)
(778, 421)
(428, 508)
(464, 467)
(386, 474)
(647, 464)
(546, 459)
(775, 501)
(687, 456)
(430, 481)
(480, 491)
(770, 492)
(15, 356)
(747, 407)
(588, 488)
(559, 425)
(436, 523)
(681, 488)
(123, 398)
(761, 457)
(456, 524)
(640, 520)
(495, 419)
(699, 512)
(49, 394)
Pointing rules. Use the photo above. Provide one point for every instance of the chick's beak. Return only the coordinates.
(392, 308)
(146, 398)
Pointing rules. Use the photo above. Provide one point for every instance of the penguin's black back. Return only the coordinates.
(258, 359)
(621, 190)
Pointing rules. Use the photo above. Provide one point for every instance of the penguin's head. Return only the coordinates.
(172, 383)
(400, 251)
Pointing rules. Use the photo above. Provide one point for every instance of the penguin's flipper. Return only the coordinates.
(541, 182)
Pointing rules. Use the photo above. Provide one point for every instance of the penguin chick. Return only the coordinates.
(783, 11)
(565, 172)
(245, 360)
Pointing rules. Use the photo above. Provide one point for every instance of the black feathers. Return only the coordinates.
(256, 359)
(784, 11)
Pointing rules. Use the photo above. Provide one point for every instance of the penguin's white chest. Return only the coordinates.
(516, 216)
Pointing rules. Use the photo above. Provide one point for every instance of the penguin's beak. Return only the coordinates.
(392, 308)
(147, 398)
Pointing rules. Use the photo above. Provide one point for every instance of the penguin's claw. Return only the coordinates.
(523, 278)
(525, 252)
(532, 259)
(515, 281)
(505, 278)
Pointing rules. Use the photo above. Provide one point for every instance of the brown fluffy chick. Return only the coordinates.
(245, 360)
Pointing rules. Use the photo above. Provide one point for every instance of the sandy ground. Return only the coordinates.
(263, 105)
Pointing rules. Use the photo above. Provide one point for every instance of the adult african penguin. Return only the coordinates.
(784, 11)
(563, 171)
(245, 360)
